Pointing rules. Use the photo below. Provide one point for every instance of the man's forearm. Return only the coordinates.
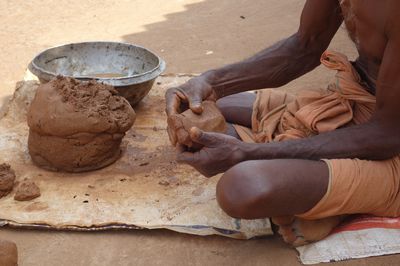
(270, 68)
(370, 141)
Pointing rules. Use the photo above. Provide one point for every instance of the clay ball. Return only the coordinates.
(210, 120)
(27, 190)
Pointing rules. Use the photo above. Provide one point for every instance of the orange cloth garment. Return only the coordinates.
(360, 186)
(278, 115)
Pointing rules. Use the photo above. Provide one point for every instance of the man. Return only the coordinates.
(327, 154)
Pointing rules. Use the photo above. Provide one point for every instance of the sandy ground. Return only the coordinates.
(192, 36)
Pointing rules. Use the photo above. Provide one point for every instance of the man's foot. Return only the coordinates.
(299, 232)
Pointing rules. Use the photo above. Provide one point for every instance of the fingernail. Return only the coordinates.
(195, 132)
(198, 109)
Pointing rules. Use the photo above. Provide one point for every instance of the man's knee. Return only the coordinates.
(237, 108)
(241, 191)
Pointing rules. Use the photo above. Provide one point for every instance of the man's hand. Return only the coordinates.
(220, 152)
(191, 94)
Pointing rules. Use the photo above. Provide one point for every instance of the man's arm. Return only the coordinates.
(377, 139)
(271, 68)
(287, 59)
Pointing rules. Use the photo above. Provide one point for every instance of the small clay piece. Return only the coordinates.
(27, 190)
(77, 126)
(7, 178)
(8, 253)
(210, 120)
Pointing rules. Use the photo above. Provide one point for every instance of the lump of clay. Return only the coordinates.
(8, 253)
(27, 190)
(7, 178)
(210, 120)
(77, 126)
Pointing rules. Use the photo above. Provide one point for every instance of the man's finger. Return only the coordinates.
(173, 103)
(185, 157)
(172, 135)
(174, 99)
(195, 104)
(180, 148)
(204, 138)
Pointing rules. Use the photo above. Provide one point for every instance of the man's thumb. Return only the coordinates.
(202, 137)
(195, 105)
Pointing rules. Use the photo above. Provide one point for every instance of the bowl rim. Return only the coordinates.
(125, 80)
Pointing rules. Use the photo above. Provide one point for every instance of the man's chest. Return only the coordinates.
(366, 21)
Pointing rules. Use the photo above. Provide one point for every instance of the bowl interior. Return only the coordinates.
(97, 60)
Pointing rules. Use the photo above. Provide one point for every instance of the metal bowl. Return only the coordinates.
(131, 69)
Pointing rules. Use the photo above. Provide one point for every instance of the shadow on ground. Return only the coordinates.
(235, 32)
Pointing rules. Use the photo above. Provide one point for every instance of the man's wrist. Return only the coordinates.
(211, 77)
(261, 151)
(250, 151)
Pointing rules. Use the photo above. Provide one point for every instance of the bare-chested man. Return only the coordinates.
(313, 175)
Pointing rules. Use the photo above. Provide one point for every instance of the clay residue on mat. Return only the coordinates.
(140, 160)
(77, 126)
(7, 178)
(8, 253)
(27, 190)
(210, 120)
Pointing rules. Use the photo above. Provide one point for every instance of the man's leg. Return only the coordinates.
(237, 109)
(278, 188)
(272, 188)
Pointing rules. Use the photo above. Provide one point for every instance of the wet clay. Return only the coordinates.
(7, 178)
(77, 126)
(27, 190)
(8, 253)
(210, 120)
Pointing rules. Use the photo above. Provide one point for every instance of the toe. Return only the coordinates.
(287, 234)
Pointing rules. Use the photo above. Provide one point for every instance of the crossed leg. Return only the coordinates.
(237, 109)
(278, 188)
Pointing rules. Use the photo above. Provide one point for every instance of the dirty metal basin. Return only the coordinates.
(131, 69)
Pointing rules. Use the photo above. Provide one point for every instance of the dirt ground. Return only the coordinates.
(192, 36)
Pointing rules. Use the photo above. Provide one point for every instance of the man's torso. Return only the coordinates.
(366, 22)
